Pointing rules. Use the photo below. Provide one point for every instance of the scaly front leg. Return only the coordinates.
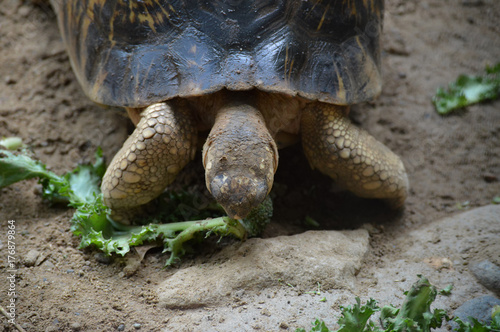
(351, 156)
(163, 142)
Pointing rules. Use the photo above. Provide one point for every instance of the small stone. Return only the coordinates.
(121, 327)
(489, 178)
(488, 274)
(396, 44)
(9, 80)
(48, 265)
(472, 3)
(137, 326)
(75, 326)
(132, 266)
(24, 11)
(439, 263)
(41, 258)
(478, 308)
(103, 258)
(30, 258)
(265, 312)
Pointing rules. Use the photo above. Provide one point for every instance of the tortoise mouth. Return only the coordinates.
(238, 194)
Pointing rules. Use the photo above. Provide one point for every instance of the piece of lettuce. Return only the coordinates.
(11, 143)
(476, 326)
(14, 168)
(415, 314)
(467, 90)
(357, 317)
(91, 220)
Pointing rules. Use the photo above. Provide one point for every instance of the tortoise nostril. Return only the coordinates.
(238, 194)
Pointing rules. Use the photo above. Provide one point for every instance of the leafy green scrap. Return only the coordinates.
(357, 317)
(476, 326)
(14, 168)
(92, 222)
(467, 90)
(415, 314)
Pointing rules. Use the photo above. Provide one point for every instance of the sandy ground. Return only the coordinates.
(453, 162)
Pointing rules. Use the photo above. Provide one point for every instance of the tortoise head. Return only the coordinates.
(240, 158)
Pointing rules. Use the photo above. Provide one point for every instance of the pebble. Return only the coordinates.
(132, 266)
(472, 3)
(9, 80)
(490, 178)
(121, 327)
(396, 44)
(137, 326)
(283, 326)
(76, 326)
(265, 312)
(478, 308)
(30, 258)
(488, 274)
(24, 11)
(103, 258)
(48, 265)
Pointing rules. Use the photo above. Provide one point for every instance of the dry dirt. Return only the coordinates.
(453, 162)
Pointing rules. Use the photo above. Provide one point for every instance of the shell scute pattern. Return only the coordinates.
(135, 53)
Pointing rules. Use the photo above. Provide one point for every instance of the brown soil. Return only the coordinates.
(453, 162)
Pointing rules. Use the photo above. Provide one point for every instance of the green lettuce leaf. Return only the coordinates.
(414, 315)
(92, 222)
(476, 326)
(467, 90)
(14, 168)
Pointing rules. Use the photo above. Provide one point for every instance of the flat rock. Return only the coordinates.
(488, 274)
(443, 251)
(479, 308)
(301, 261)
(468, 236)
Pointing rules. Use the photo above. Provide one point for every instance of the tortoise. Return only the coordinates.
(256, 74)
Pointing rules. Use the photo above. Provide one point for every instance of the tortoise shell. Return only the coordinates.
(136, 53)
